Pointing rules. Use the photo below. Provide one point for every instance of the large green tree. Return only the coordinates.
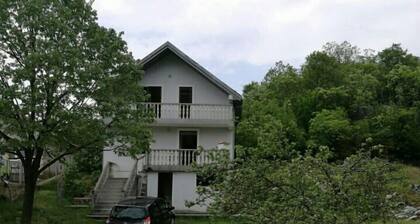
(340, 97)
(66, 85)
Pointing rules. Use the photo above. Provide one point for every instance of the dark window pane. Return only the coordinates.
(155, 94)
(185, 94)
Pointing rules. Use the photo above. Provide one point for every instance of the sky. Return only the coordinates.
(239, 40)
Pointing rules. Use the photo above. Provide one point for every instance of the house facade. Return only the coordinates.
(194, 120)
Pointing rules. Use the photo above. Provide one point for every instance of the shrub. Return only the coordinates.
(304, 190)
(82, 172)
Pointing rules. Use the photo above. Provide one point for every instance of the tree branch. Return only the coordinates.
(4, 136)
(51, 162)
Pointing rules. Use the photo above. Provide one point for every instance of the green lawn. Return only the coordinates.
(51, 210)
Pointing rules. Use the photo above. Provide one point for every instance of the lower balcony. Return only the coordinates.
(180, 159)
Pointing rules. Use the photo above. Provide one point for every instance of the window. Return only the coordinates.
(126, 213)
(155, 94)
(185, 95)
(154, 98)
(187, 140)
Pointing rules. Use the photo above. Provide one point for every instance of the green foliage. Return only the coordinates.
(397, 129)
(82, 172)
(66, 85)
(321, 70)
(307, 189)
(331, 128)
(339, 98)
(396, 55)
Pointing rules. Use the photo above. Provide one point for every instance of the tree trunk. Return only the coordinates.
(28, 197)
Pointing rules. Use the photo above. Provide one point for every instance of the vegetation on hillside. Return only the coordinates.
(339, 98)
(313, 144)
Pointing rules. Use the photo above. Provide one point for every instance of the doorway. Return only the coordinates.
(188, 139)
(165, 186)
(155, 100)
(185, 101)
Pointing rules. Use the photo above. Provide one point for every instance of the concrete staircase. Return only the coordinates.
(108, 196)
(109, 190)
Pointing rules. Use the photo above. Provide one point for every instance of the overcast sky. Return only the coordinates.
(239, 40)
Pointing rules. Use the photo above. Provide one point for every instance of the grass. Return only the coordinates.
(49, 209)
(413, 176)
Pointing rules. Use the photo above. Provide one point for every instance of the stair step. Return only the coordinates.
(119, 193)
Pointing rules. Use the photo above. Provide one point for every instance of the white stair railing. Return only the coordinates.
(128, 186)
(101, 181)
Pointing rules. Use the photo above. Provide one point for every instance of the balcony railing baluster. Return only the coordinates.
(189, 111)
(181, 157)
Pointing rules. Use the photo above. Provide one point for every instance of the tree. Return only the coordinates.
(66, 85)
(82, 172)
(303, 190)
(396, 55)
(344, 52)
(332, 128)
(322, 70)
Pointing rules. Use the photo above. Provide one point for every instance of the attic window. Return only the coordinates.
(185, 94)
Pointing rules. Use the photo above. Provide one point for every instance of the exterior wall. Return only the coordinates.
(184, 189)
(120, 165)
(170, 72)
(208, 138)
(167, 138)
(152, 184)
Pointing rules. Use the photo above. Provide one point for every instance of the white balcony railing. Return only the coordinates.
(182, 157)
(189, 111)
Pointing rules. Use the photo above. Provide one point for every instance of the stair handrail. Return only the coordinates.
(101, 181)
(130, 181)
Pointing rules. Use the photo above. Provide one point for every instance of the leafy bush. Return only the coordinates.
(304, 190)
(82, 172)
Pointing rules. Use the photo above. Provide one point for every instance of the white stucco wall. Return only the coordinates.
(184, 189)
(170, 73)
(120, 165)
(208, 138)
(152, 184)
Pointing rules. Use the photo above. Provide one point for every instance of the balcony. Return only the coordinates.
(180, 159)
(191, 115)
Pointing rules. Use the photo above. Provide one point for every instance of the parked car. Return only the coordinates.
(142, 210)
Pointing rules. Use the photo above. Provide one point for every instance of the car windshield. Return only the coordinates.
(128, 213)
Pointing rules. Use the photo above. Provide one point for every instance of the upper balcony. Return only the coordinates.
(191, 115)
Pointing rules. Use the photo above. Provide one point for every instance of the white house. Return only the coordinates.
(193, 110)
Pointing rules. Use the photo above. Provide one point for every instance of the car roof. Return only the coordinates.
(139, 201)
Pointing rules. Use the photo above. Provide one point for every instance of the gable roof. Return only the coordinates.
(200, 69)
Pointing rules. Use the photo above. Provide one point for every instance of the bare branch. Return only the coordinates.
(51, 162)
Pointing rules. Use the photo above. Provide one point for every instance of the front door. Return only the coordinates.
(155, 98)
(185, 101)
(187, 140)
(165, 186)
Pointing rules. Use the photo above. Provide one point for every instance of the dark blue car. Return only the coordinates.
(142, 210)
